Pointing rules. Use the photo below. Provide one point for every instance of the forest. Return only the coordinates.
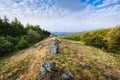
(15, 36)
(107, 39)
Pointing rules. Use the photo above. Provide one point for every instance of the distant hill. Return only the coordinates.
(61, 33)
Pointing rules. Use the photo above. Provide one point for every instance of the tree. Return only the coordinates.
(13, 35)
(22, 44)
(5, 46)
(114, 39)
(33, 36)
(17, 29)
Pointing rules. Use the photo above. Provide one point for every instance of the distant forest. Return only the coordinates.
(15, 36)
(106, 39)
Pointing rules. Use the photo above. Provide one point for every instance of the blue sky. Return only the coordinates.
(64, 15)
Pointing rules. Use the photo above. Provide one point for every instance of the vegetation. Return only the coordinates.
(114, 39)
(16, 36)
(85, 63)
(107, 39)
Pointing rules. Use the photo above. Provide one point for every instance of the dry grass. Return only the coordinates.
(23, 66)
(73, 56)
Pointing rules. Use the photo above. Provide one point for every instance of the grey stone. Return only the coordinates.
(47, 67)
(68, 76)
(54, 49)
(56, 42)
(51, 66)
(43, 69)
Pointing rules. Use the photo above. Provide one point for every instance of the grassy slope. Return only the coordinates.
(23, 66)
(73, 56)
(102, 63)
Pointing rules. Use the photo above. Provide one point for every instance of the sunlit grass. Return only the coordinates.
(73, 56)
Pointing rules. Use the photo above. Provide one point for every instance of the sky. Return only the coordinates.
(63, 15)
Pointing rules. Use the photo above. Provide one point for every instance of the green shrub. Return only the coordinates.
(114, 39)
(14, 35)
(13, 40)
(33, 36)
(22, 44)
(5, 46)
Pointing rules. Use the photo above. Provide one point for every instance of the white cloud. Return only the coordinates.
(109, 2)
(55, 18)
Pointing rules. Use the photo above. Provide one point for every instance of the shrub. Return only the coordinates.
(5, 46)
(22, 44)
(33, 36)
(113, 38)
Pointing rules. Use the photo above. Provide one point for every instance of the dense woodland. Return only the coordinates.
(15, 36)
(106, 39)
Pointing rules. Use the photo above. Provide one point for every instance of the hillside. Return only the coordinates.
(15, 36)
(85, 62)
(107, 39)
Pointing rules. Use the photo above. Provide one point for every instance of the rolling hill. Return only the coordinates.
(85, 62)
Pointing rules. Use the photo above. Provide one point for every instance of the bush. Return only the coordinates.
(33, 36)
(5, 46)
(14, 35)
(22, 44)
(114, 39)
(13, 40)
(95, 38)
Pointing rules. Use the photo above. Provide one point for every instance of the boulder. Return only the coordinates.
(43, 69)
(56, 41)
(68, 76)
(47, 67)
(54, 49)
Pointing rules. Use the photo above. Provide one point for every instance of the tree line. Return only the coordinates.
(106, 39)
(15, 36)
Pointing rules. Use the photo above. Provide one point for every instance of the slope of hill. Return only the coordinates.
(85, 62)
(107, 39)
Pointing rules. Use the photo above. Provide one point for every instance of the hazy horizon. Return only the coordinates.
(63, 15)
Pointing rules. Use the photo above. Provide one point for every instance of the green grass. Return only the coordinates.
(72, 50)
(12, 67)
(73, 56)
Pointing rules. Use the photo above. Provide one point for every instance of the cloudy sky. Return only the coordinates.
(64, 15)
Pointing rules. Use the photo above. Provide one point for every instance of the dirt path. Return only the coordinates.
(33, 71)
(35, 47)
(25, 65)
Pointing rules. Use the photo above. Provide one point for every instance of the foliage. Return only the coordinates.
(95, 38)
(5, 46)
(107, 39)
(33, 36)
(22, 44)
(14, 34)
(114, 39)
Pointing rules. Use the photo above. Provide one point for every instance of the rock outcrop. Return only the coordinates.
(55, 47)
(68, 76)
(47, 67)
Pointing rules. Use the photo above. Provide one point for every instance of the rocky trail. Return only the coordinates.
(60, 59)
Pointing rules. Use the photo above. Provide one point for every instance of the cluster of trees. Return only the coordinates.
(107, 39)
(16, 36)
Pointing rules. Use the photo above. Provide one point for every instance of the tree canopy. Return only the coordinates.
(14, 35)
